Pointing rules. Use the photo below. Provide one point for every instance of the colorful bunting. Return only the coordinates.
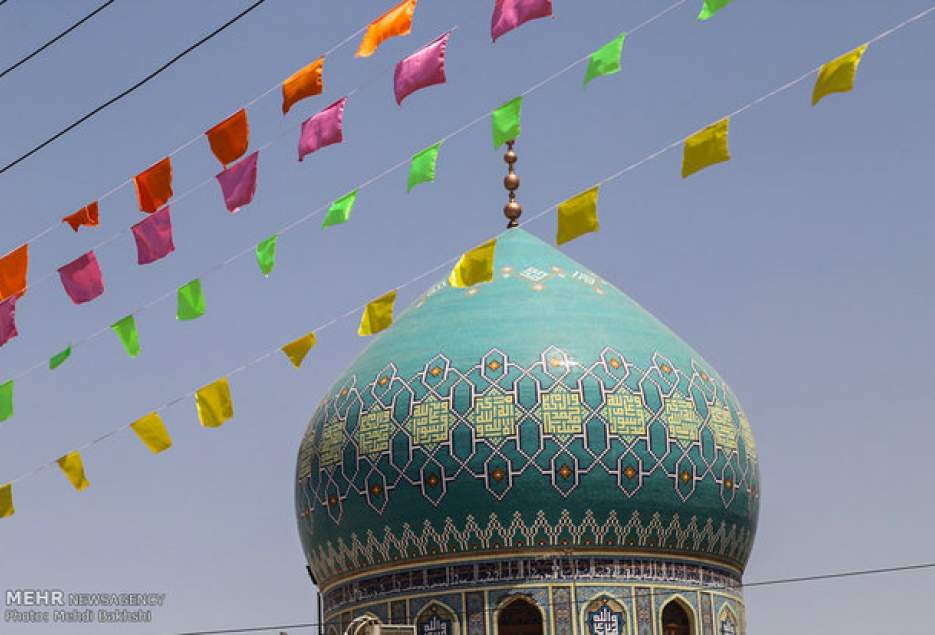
(154, 186)
(422, 167)
(74, 470)
(6, 400)
(705, 148)
(323, 129)
(87, 216)
(6, 501)
(510, 14)
(474, 267)
(59, 358)
(305, 82)
(296, 350)
(395, 22)
(82, 278)
(505, 121)
(710, 7)
(191, 301)
(153, 237)
(838, 75)
(13, 270)
(605, 60)
(577, 216)
(238, 183)
(230, 138)
(8, 319)
(125, 329)
(152, 432)
(266, 254)
(214, 403)
(424, 68)
(340, 210)
(378, 315)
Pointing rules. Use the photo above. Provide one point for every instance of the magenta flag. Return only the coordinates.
(238, 183)
(153, 237)
(509, 14)
(8, 319)
(322, 129)
(82, 278)
(425, 67)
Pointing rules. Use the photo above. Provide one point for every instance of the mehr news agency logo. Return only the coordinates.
(50, 606)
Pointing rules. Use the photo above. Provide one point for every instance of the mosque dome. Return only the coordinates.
(544, 411)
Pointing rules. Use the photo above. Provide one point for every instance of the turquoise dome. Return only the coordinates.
(544, 410)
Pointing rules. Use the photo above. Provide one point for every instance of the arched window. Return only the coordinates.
(676, 619)
(727, 623)
(519, 617)
(436, 619)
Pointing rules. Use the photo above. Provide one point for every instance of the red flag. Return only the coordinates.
(425, 67)
(87, 216)
(13, 269)
(8, 320)
(82, 278)
(230, 138)
(154, 186)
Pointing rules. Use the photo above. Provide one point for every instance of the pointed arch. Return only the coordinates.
(677, 617)
(519, 614)
(727, 622)
(437, 618)
(607, 613)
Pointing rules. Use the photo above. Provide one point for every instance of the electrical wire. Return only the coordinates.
(58, 37)
(131, 89)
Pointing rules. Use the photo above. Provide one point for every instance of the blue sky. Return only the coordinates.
(801, 270)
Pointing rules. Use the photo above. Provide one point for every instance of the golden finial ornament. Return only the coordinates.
(512, 210)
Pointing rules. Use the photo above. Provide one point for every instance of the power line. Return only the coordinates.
(629, 596)
(131, 89)
(55, 39)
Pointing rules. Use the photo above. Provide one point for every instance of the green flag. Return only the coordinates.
(505, 120)
(422, 168)
(266, 254)
(6, 400)
(711, 7)
(191, 301)
(59, 358)
(125, 328)
(340, 210)
(605, 60)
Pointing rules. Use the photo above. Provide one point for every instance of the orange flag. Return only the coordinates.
(154, 186)
(230, 138)
(87, 216)
(397, 21)
(13, 268)
(305, 82)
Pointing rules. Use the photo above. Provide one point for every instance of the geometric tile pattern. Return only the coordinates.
(494, 416)
(561, 413)
(684, 422)
(626, 416)
(373, 431)
(723, 427)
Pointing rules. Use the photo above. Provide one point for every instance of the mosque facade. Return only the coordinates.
(535, 455)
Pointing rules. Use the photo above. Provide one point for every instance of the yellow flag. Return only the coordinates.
(706, 148)
(152, 432)
(378, 315)
(577, 216)
(214, 403)
(837, 76)
(296, 350)
(474, 267)
(74, 470)
(6, 501)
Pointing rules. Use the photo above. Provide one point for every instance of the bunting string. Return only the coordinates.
(451, 261)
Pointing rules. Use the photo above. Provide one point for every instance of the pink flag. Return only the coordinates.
(509, 14)
(322, 129)
(82, 278)
(8, 319)
(153, 237)
(238, 183)
(423, 68)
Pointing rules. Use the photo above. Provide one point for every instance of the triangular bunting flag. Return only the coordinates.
(152, 432)
(838, 75)
(505, 122)
(378, 315)
(422, 167)
(6, 400)
(125, 329)
(82, 278)
(214, 403)
(6, 501)
(510, 14)
(425, 67)
(710, 7)
(87, 216)
(395, 22)
(324, 129)
(8, 319)
(340, 210)
(605, 60)
(577, 216)
(230, 138)
(153, 236)
(474, 267)
(154, 186)
(305, 82)
(59, 358)
(238, 183)
(191, 301)
(296, 350)
(14, 268)
(705, 148)
(73, 469)
(266, 254)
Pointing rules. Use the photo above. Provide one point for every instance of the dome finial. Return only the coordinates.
(512, 210)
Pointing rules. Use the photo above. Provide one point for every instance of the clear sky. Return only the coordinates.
(801, 270)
